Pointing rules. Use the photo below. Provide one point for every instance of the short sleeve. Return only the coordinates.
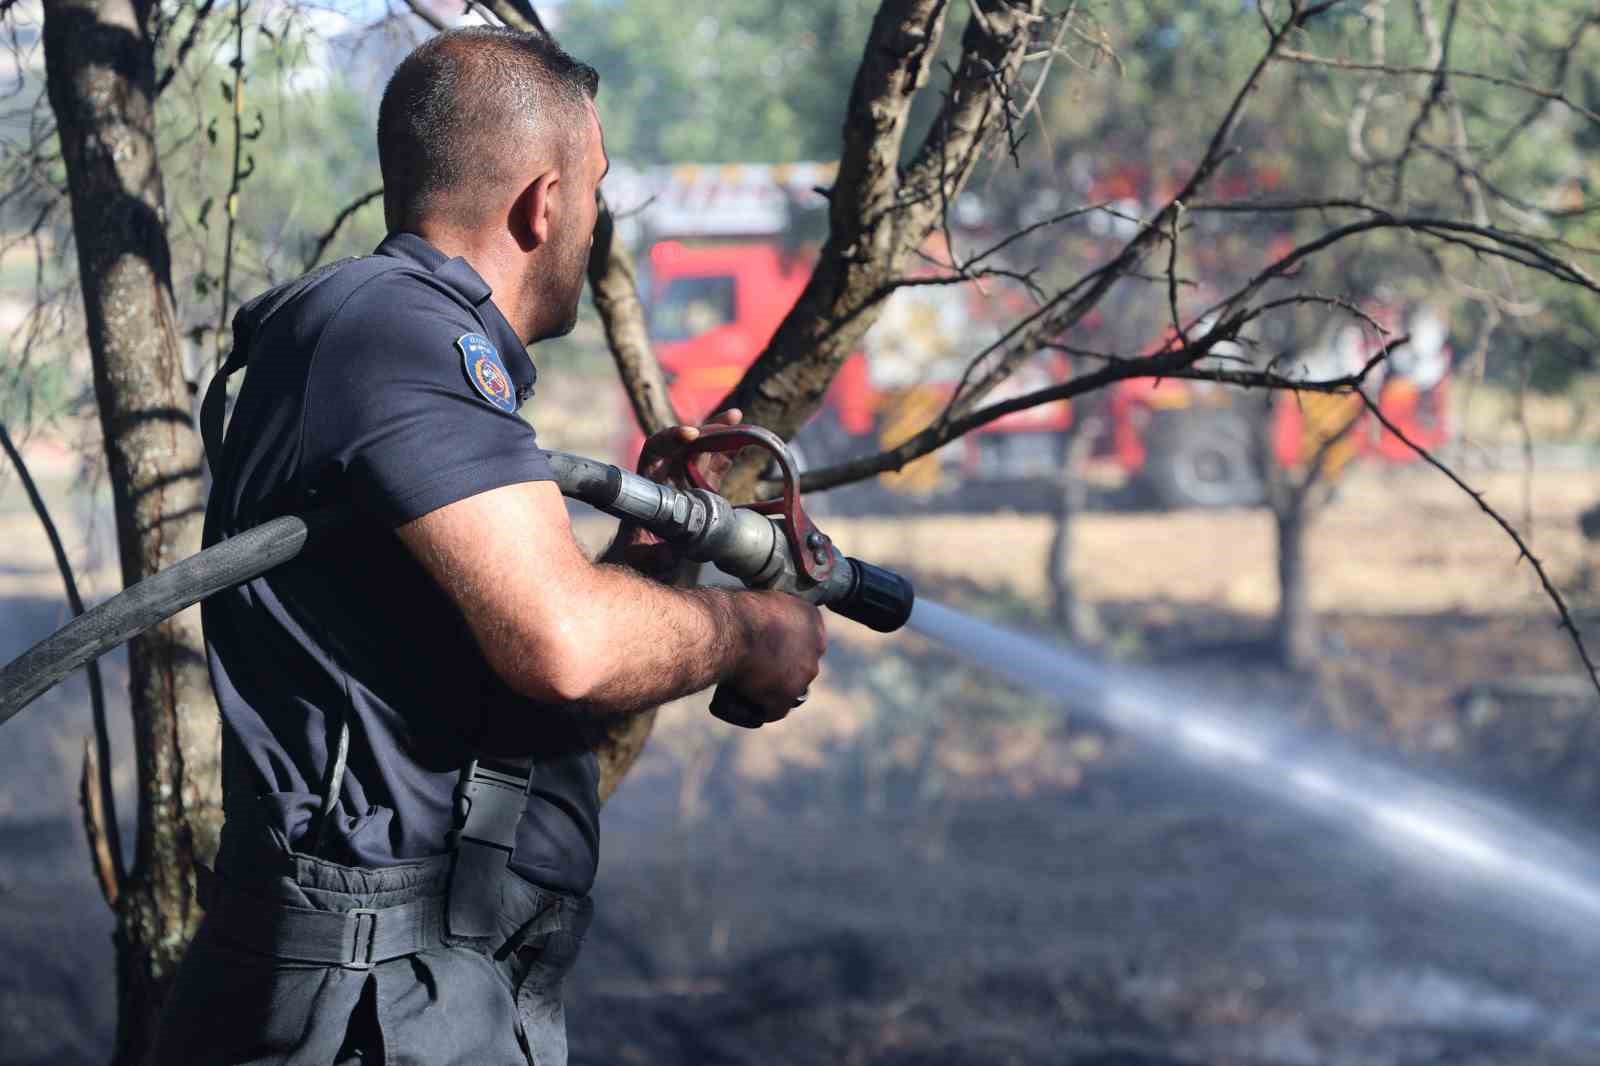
(390, 404)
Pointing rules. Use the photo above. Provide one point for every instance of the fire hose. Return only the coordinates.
(770, 544)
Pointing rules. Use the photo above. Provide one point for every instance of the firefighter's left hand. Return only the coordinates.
(639, 548)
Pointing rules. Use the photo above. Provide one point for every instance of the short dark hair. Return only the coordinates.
(462, 111)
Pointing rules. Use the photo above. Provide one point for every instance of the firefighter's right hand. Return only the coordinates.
(785, 640)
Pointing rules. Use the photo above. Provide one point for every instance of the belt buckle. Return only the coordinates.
(361, 950)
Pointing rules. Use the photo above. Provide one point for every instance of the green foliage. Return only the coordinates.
(309, 149)
(766, 81)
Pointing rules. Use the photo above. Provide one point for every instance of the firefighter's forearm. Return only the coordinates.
(650, 644)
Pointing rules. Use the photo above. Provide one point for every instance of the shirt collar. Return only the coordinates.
(459, 276)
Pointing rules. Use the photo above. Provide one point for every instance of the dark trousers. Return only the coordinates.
(483, 1004)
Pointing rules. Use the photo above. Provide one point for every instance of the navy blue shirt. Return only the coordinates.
(363, 392)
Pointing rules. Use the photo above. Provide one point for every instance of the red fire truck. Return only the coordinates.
(722, 271)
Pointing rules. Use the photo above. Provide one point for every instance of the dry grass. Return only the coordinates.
(1394, 542)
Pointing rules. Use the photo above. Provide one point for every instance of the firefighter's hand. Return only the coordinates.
(641, 549)
(785, 641)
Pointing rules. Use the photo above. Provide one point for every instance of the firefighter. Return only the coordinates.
(409, 710)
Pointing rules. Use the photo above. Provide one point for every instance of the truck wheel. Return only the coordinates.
(1201, 459)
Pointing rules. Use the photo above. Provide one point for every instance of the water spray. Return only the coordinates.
(1434, 826)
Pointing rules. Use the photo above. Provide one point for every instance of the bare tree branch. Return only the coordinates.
(1069, 307)
(615, 290)
(1176, 361)
(614, 286)
(862, 238)
(112, 879)
(98, 828)
(237, 173)
(344, 215)
(1523, 551)
(518, 14)
(202, 12)
(427, 14)
(948, 427)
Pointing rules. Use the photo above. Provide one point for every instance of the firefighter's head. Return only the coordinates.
(488, 140)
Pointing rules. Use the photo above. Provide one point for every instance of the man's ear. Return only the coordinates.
(534, 208)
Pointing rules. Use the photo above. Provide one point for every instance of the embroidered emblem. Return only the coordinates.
(486, 372)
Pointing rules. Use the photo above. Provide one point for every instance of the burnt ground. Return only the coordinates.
(1144, 919)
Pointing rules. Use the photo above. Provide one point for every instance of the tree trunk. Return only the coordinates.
(1074, 615)
(1296, 628)
(100, 65)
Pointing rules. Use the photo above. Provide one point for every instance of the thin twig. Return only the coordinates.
(1524, 552)
(1172, 272)
(1498, 80)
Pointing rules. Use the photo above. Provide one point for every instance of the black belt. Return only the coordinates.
(355, 939)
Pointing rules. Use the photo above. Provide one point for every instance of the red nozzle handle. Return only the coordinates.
(809, 547)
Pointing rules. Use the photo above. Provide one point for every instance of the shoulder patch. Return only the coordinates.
(486, 372)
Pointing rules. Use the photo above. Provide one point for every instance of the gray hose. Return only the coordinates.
(741, 542)
(156, 598)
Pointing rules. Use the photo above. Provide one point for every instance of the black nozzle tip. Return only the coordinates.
(880, 599)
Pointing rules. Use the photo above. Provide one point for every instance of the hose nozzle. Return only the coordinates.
(879, 599)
